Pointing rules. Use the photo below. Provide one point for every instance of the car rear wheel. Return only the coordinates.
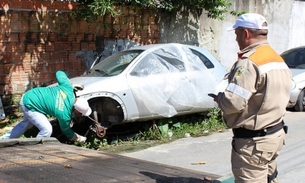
(299, 106)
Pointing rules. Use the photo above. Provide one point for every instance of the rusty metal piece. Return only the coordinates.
(99, 130)
(97, 127)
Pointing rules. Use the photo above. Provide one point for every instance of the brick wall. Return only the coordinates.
(37, 38)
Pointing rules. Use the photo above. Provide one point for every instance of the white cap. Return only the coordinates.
(250, 20)
(82, 106)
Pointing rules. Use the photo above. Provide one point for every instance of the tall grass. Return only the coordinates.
(162, 131)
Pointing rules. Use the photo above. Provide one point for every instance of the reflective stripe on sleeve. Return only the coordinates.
(272, 66)
(239, 91)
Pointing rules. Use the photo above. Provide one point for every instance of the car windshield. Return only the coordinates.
(114, 64)
(295, 58)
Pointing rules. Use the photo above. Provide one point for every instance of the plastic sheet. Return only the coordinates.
(178, 80)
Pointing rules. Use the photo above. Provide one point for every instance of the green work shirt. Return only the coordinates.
(56, 101)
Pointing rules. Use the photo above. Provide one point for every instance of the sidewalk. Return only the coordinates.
(47, 160)
(210, 154)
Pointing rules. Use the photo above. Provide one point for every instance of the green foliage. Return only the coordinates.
(214, 120)
(151, 134)
(90, 10)
(94, 143)
(235, 13)
(164, 130)
(195, 125)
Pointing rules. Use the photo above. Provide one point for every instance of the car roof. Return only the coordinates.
(294, 49)
(152, 47)
(161, 45)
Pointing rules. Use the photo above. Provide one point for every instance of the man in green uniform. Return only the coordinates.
(57, 101)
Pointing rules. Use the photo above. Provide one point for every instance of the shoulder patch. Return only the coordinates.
(240, 71)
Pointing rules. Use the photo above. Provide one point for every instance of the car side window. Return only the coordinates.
(171, 61)
(157, 63)
(300, 58)
(204, 59)
(146, 67)
(294, 59)
(290, 59)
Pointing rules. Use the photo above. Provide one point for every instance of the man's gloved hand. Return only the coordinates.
(77, 87)
(78, 138)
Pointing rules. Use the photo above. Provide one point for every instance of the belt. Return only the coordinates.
(245, 133)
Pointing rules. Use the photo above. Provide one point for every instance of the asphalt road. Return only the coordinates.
(211, 154)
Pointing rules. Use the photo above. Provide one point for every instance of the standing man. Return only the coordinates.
(254, 103)
(57, 101)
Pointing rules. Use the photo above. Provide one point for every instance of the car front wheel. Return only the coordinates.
(299, 106)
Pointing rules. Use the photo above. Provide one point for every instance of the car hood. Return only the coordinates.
(298, 74)
(98, 84)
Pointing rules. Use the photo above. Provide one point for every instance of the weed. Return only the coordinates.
(163, 131)
(214, 120)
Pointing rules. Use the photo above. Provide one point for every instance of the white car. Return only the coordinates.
(295, 59)
(151, 82)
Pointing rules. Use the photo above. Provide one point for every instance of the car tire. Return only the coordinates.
(299, 106)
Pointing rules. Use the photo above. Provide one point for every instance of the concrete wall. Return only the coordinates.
(297, 25)
(179, 28)
(286, 27)
(277, 14)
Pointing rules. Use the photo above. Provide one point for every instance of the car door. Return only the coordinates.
(207, 77)
(160, 85)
